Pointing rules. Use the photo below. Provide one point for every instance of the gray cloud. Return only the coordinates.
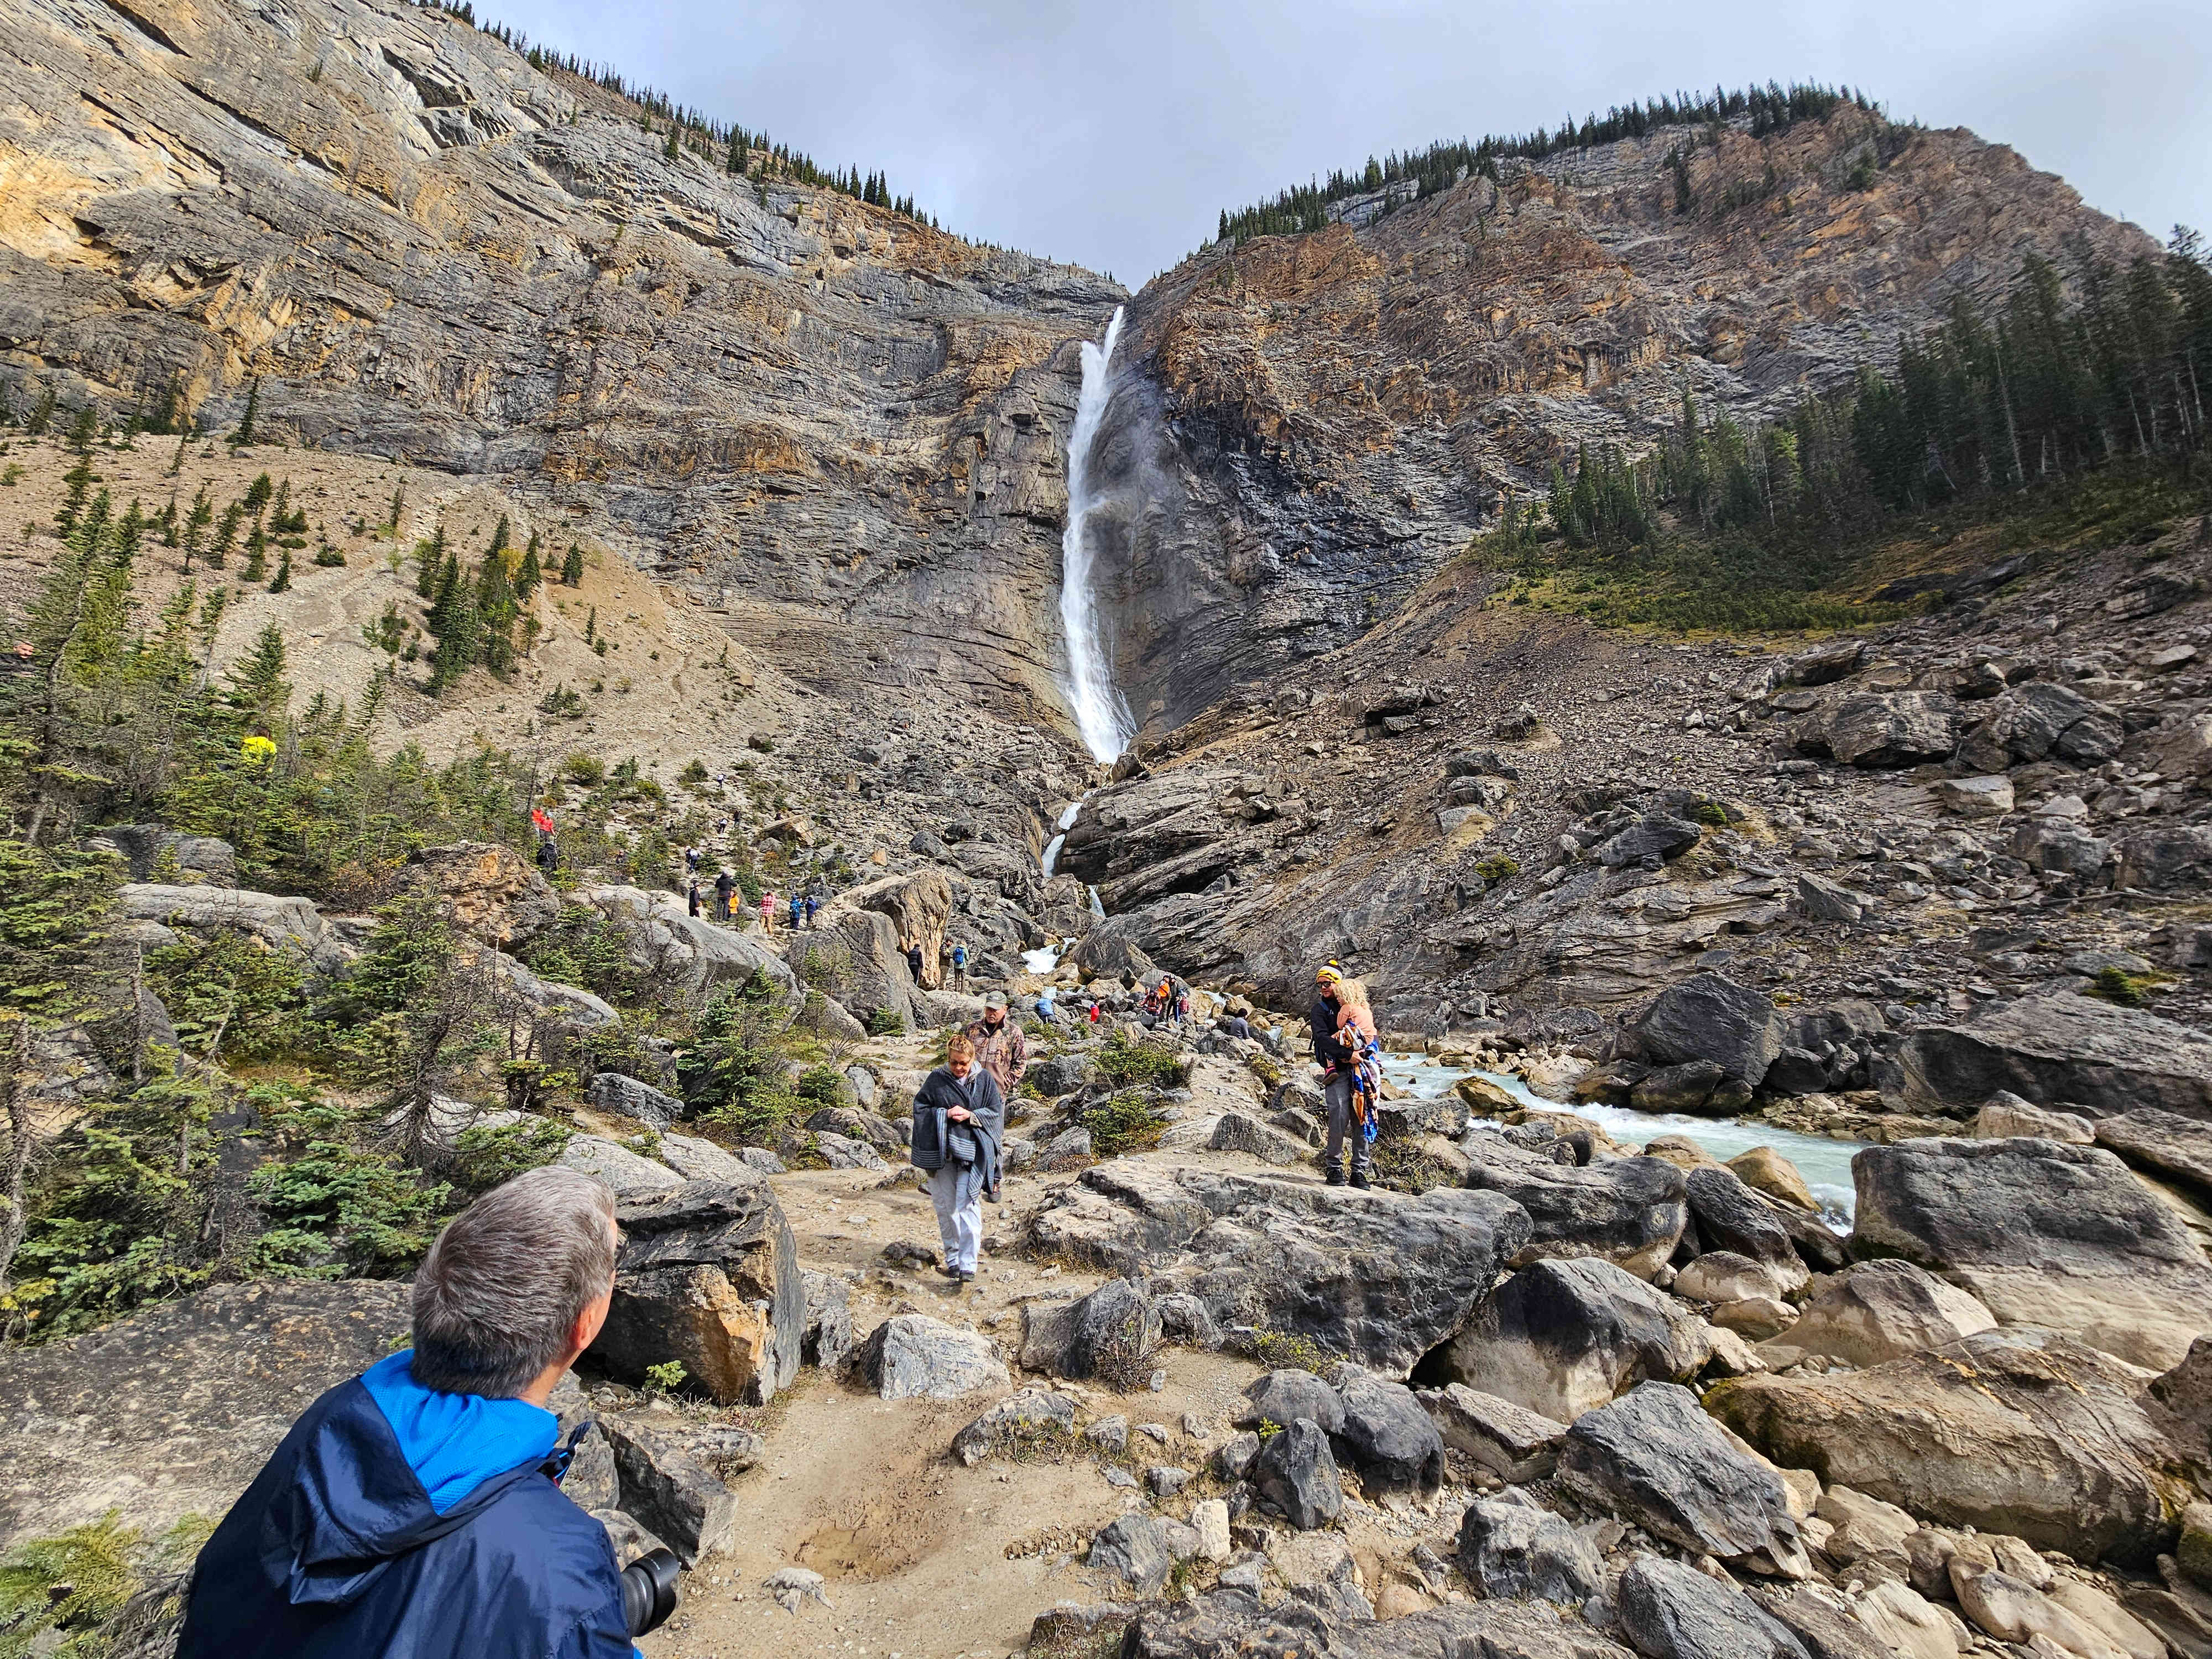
(1112, 135)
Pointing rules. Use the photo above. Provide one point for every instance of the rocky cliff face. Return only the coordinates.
(837, 428)
(1308, 425)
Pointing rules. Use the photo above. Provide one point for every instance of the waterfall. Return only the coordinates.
(1102, 715)
(1052, 855)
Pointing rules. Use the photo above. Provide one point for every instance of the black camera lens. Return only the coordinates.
(648, 1586)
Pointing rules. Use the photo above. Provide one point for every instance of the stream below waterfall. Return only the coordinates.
(1826, 1164)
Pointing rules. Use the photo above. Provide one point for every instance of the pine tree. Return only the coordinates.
(526, 579)
(226, 534)
(282, 579)
(501, 536)
(257, 679)
(572, 568)
(244, 436)
(197, 521)
(398, 506)
(256, 555)
(668, 153)
(84, 432)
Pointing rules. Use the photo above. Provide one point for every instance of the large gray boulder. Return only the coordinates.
(1511, 1441)
(625, 1097)
(914, 1357)
(1378, 1276)
(1559, 1338)
(853, 953)
(2041, 719)
(1234, 1621)
(1387, 1437)
(1709, 1017)
(2061, 1049)
(1285, 1395)
(2173, 856)
(199, 860)
(1669, 1611)
(675, 1493)
(2165, 1144)
(708, 1275)
(1730, 1217)
(1628, 1211)
(1031, 1417)
(1883, 1311)
(628, 1176)
(1884, 728)
(1512, 1547)
(663, 940)
(1297, 1472)
(2014, 1430)
(1134, 1549)
(174, 1411)
(286, 924)
(2041, 1233)
(1654, 1458)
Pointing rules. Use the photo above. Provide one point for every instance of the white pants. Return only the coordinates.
(957, 1189)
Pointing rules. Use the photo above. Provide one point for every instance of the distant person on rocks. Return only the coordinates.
(798, 910)
(1048, 1009)
(1183, 1007)
(415, 1509)
(959, 967)
(813, 904)
(767, 913)
(1002, 1049)
(1335, 1060)
(691, 898)
(725, 885)
(1237, 1026)
(959, 1120)
(549, 855)
(1090, 1009)
(913, 959)
(691, 861)
(1362, 1039)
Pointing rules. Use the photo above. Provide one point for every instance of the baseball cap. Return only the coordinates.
(996, 1000)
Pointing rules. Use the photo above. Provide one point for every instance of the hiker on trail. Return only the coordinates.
(725, 885)
(549, 855)
(913, 959)
(1001, 1049)
(959, 967)
(691, 861)
(1357, 1032)
(1237, 1026)
(691, 898)
(959, 1117)
(1047, 1009)
(797, 909)
(813, 904)
(767, 913)
(1182, 1006)
(1337, 1060)
(1090, 1009)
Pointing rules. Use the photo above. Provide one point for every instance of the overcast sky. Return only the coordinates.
(1111, 135)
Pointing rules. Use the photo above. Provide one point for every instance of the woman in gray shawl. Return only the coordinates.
(959, 1120)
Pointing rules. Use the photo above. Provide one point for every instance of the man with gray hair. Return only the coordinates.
(415, 1509)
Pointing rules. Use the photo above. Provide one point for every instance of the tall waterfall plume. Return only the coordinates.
(1101, 713)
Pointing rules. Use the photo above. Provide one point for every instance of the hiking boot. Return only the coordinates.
(948, 1270)
(1335, 1175)
(967, 1275)
(1359, 1180)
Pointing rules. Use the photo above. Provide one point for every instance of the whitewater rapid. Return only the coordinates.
(1101, 713)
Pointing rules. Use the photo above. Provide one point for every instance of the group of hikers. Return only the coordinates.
(952, 961)
(960, 1111)
(719, 902)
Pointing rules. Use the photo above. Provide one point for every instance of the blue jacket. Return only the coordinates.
(400, 1523)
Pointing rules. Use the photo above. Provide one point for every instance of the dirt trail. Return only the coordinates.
(914, 1547)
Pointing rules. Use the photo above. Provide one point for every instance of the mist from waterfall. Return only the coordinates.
(1101, 713)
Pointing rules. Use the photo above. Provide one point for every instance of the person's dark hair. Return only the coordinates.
(502, 1289)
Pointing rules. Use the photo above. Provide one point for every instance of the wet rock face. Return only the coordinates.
(868, 416)
(1321, 418)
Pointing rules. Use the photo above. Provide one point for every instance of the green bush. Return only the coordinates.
(587, 769)
(227, 995)
(487, 1155)
(1498, 867)
(582, 947)
(1291, 1350)
(338, 1205)
(825, 1085)
(56, 1592)
(1123, 1122)
(886, 1021)
(1124, 1064)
